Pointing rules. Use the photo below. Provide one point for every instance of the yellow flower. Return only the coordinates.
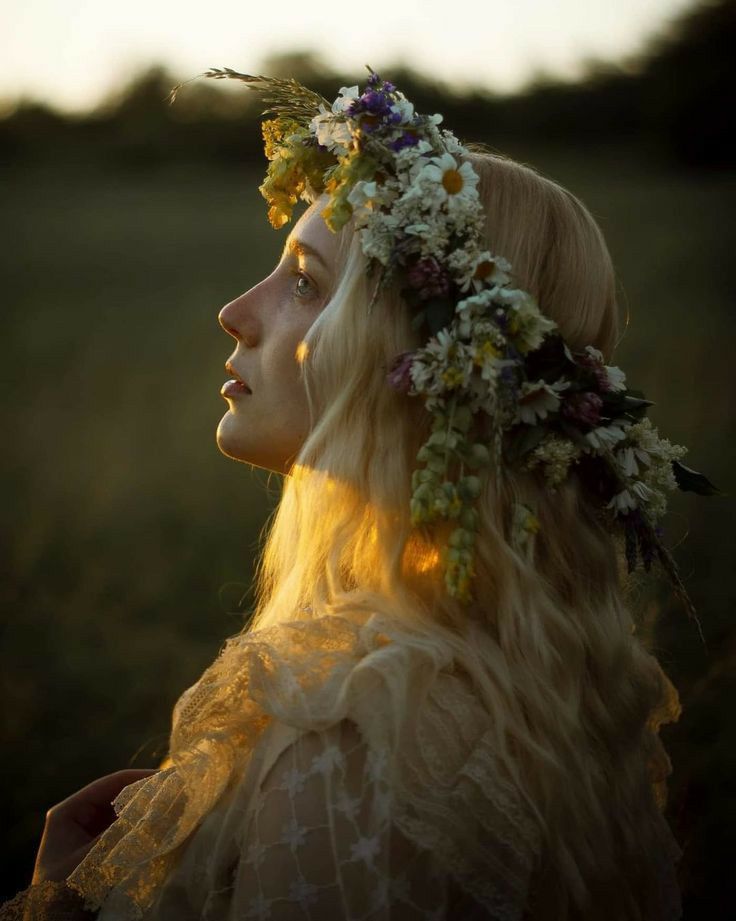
(532, 524)
(453, 377)
(485, 351)
(272, 135)
(281, 197)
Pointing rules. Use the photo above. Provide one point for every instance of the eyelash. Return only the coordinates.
(298, 275)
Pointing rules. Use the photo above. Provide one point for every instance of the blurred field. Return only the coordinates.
(129, 539)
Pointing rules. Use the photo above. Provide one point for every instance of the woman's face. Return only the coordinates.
(267, 421)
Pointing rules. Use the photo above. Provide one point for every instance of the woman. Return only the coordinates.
(440, 708)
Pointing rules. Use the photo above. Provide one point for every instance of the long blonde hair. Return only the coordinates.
(550, 643)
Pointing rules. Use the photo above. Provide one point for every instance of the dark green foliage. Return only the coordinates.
(693, 481)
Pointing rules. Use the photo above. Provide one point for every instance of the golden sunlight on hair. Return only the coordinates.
(574, 698)
(302, 352)
(420, 556)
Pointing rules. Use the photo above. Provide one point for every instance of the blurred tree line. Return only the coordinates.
(674, 100)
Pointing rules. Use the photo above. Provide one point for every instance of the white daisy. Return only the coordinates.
(474, 269)
(537, 399)
(627, 461)
(526, 323)
(345, 98)
(366, 197)
(405, 109)
(630, 498)
(420, 196)
(444, 364)
(332, 133)
(476, 306)
(455, 182)
(605, 436)
(616, 377)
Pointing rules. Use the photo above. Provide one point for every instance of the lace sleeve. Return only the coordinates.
(49, 901)
(320, 842)
(323, 769)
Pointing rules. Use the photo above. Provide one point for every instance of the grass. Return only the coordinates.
(130, 538)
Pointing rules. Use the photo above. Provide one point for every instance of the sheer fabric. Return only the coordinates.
(47, 901)
(337, 767)
(317, 842)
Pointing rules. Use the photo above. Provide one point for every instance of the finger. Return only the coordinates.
(103, 790)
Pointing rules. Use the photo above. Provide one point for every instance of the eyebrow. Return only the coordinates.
(300, 248)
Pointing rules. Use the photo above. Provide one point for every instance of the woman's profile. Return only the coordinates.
(440, 707)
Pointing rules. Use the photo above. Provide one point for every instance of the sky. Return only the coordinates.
(72, 53)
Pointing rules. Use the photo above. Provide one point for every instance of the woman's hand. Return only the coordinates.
(73, 825)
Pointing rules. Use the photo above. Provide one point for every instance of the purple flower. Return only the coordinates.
(592, 364)
(406, 140)
(375, 103)
(508, 376)
(429, 278)
(399, 374)
(374, 81)
(583, 407)
(501, 319)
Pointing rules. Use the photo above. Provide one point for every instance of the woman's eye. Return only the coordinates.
(303, 287)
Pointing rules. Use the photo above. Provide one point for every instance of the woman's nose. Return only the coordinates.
(238, 318)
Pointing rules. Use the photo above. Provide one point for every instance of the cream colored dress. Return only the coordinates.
(336, 768)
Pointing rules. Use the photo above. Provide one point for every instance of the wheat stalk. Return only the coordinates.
(285, 98)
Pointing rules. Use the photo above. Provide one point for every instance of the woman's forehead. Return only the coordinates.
(311, 231)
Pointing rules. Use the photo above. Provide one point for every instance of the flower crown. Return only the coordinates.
(492, 360)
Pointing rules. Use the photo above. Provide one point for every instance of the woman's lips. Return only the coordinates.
(234, 388)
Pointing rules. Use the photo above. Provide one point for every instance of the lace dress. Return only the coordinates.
(332, 768)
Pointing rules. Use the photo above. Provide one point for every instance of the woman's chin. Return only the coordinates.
(230, 441)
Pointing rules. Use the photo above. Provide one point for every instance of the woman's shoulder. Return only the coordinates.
(408, 715)
(368, 714)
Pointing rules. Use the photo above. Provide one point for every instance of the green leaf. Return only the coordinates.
(691, 481)
(411, 296)
(477, 456)
(418, 320)
(523, 440)
(630, 404)
(571, 431)
(549, 362)
(634, 406)
(439, 312)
